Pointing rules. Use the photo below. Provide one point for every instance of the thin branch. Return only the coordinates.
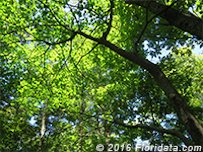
(172, 132)
(150, 20)
(143, 30)
(158, 129)
(55, 43)
(78, 23)
(187, 22)
(87, 53)
(109, 24)
(57, 19)
(45, 57)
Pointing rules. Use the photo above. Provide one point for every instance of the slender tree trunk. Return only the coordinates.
(42, 131)
(43, 127)
(186, 22)
(81, 119)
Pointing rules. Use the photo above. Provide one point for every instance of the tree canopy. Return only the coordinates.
(78, 73)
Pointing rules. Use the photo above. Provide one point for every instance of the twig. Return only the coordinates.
(109, 24)
(87, 53)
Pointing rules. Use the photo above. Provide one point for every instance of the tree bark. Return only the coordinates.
(184, 21)
(42, 131)
(194, 128)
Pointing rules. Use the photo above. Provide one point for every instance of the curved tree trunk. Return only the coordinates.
(186, 22)
(194, 127)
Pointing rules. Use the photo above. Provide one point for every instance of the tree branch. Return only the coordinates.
(87, 53)
(55, 43)
(149, 21)
(172, 132)
(194, 128)
(185, 21)
(105, 34)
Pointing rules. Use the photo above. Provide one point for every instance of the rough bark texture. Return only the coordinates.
(186, 22)
(194, 128)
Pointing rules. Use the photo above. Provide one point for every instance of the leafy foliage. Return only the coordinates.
(62, 92)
